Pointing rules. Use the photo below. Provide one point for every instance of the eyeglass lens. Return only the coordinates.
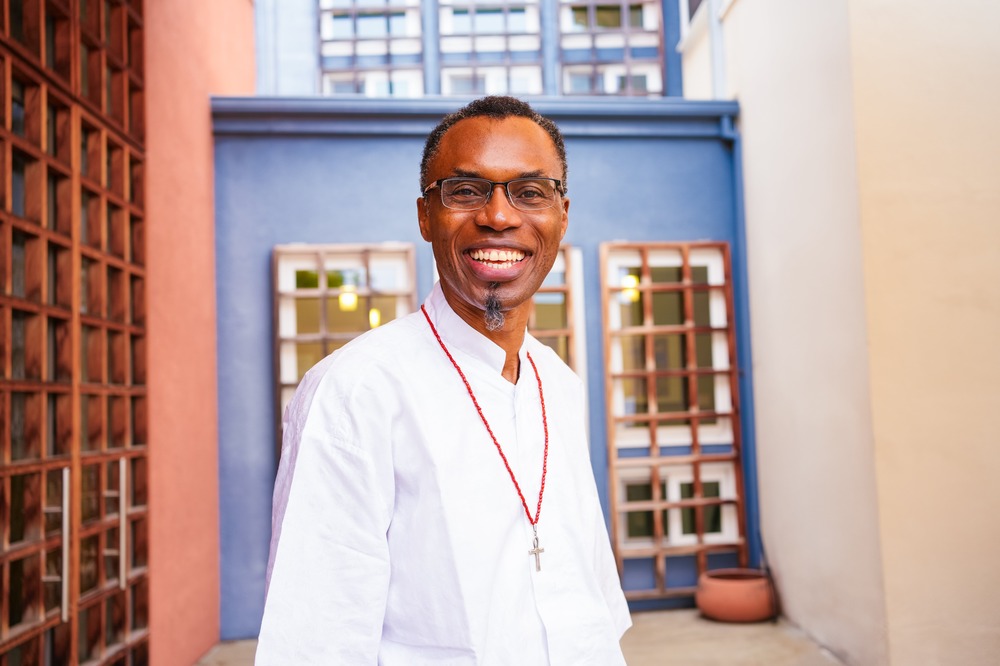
(523, 193)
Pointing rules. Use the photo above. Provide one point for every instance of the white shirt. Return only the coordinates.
(398, 537)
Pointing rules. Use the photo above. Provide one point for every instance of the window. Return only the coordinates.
(371, 48)
(557, 317)
(327, 295)
(492, 48)
(674, 437)
(610, 48)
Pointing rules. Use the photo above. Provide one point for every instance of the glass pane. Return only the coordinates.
(703, 350)
(635, 16)
(17, 347)
(346, 313)
(633, 348)
(306, 279)
(53, 582)
(138, 479)
(18, 166)
(701, 308)
(25, 507)
(635, 399)
(114, 620)
(89, 637)
(23, 592)
(53, 501)
(338, 277)
(111, 486)
(91, 485)
(608, 16)
(665, 274)
(630, 298)
(706, 395)
(17, 105)
(669, 352)
(57, 642)
(579, 19)
(699, 275)
(111, 561)
(307, 316)
(24, 442)
(371, 25)
(18, 244)
(668, 308)
(139, 543)
(139, 610)
(307, 354)
(550, 311)
(639, 523)
(89, 547)
(383, 310)
(712, 515)
(489, 21)
(671, 394)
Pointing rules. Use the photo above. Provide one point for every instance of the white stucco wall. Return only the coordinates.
(926, 90)
(789, 65)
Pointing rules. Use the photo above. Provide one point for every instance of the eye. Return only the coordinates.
(532, 190)
(464, 188)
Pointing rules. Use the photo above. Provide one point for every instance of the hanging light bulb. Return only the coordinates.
(630, 288)
(348, 298)
(374, 317)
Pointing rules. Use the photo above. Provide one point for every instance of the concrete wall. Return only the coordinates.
(193, 50)
(925, 92)
(789, 65)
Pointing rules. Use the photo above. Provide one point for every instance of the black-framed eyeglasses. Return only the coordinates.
(474, 193)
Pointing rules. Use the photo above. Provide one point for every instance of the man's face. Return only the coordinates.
(526, 242)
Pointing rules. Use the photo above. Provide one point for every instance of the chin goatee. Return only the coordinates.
(494, 315)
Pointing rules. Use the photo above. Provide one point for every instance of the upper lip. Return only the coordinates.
(499, 245)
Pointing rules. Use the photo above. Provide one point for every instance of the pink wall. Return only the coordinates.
(194, 49)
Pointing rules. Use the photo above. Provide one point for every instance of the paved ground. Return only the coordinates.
(664, 638)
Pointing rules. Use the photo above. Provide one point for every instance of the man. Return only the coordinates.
(435, 502)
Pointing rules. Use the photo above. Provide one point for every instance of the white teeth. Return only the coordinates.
(505, 258)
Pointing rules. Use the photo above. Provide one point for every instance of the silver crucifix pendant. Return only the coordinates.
(536, 551)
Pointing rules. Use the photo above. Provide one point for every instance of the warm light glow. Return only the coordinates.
(374, 317)
(630, 291)
(348, 298)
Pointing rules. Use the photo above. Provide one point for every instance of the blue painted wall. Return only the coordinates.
(306, 170)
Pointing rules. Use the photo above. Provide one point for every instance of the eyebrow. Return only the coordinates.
(463, 173)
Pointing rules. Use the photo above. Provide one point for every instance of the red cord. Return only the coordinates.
(545, 424)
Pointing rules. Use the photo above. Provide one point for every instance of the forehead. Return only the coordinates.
(497, 149)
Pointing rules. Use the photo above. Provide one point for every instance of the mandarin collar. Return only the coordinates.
(457, 334)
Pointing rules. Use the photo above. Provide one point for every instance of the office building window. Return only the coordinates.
(490, 47)
(610, 48)
(372, 48)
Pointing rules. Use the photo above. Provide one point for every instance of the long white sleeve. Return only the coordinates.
(328, 573)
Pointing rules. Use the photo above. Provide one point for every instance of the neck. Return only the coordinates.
(509, 337)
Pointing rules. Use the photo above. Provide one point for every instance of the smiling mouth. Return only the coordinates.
(497, 258)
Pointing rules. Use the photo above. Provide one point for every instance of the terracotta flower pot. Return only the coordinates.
(736, 595)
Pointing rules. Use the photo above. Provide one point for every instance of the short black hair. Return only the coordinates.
(496, 107)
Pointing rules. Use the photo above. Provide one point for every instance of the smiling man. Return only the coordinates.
(435, 502)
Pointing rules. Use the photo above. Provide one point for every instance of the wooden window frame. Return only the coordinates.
(630, 463)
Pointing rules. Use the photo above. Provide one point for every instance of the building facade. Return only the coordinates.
(416, 48)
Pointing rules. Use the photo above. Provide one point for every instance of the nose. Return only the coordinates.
(498, 213)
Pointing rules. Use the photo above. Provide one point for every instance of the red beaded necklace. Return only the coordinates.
(535, 551)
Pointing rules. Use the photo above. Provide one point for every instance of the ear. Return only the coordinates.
(423, 220)
(564, 221)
